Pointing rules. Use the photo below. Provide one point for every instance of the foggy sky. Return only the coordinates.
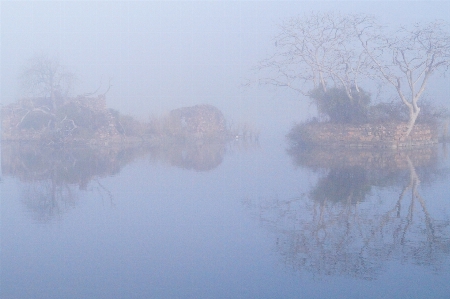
(165, 55)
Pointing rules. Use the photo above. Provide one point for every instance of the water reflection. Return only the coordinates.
(364, 210)
(196, 155)
(53, 176)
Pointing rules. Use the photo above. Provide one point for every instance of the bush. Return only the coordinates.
(83, 117)
(128, 126)
(386, 112)
(337, 105)
(300, 136)
(36, 120)
(429, 113)
(432, 114)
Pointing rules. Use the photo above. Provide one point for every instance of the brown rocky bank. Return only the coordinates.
(87, 120)
(380, 135)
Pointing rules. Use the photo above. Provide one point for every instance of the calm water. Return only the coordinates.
(238, 220)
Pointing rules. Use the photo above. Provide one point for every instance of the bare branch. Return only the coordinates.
(45, 77)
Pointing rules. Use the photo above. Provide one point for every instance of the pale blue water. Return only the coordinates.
(247, 228)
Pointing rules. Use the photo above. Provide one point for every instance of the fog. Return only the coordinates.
(165, 55)
(97, 205)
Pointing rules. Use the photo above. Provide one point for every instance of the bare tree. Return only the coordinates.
(314, 51)
(408, 58)
(45, 77)
(320, 50)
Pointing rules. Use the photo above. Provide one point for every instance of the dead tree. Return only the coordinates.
(45, 77)
(316, 51)
(408, 58)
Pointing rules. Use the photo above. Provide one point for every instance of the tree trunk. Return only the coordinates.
(413, 113)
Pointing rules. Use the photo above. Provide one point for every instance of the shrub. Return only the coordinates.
(385, 112)
(36, 120)
(339, 107)
(300, 135)
(432, 114)
(429, 113)
(83, 117)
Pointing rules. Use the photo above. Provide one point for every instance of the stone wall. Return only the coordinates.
(386, 135)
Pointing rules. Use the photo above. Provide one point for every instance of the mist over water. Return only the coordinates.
(247, 216)
(239, 220)
(166, 55)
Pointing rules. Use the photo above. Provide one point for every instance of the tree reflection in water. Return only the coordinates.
(197, 154)
(351, 223)
(194, 155)
(53, 175)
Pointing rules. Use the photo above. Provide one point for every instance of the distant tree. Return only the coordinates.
(408, 58)
(45, 77)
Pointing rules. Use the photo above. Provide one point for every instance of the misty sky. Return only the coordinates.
(165, 55)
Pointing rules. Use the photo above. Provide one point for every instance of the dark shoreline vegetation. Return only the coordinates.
(86, 120)
(49, 114)
(81, 140)
(354, 122)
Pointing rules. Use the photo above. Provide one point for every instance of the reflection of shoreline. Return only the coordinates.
(342, 226)
(198, 155)
(78, 165)
(52, 174)
(392, 160)
(191, 155)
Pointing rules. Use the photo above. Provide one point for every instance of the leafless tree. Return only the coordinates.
(45, 77)
(320, 50)
(314, 51)
(408, 58)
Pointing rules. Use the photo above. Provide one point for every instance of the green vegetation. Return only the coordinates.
(394, 111)
(339, 107)
(356, 116)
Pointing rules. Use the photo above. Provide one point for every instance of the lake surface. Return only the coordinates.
(235, 220)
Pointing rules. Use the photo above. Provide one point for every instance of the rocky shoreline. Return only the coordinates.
(382, 135)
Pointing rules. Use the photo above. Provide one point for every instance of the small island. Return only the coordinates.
(333, 59)
(48, 114)
(86, 119)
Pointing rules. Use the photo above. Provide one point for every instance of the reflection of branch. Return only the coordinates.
(47, 199)
(110, 196)
(428, 220)
(415, 194)
(408, 220)
(354, 237)
(400, 198)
